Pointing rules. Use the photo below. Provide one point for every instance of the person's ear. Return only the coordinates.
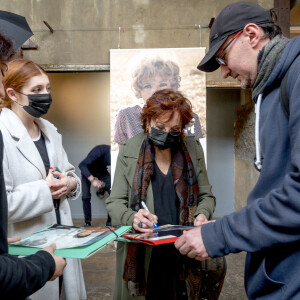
(253, 33)
(11, 94)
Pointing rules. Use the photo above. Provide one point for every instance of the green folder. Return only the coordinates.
(77, 252)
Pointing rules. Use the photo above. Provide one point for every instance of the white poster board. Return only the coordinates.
(127, 67)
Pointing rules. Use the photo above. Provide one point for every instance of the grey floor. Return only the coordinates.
(99, 273)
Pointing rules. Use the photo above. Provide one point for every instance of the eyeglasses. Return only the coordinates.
(175, 133)
(220, 56)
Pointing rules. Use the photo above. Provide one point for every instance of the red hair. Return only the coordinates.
(19, 72)
(163, 101)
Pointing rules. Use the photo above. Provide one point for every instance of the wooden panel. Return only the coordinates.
(222, 84)
(282, 9)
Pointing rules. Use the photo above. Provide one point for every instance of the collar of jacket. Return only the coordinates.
(16, 127)
(132, 147)
(24, 143)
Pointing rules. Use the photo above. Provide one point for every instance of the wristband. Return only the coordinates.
(95, 178)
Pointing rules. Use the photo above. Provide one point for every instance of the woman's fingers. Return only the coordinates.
(143, 221)
(200, 220)
(57, 194)
(140, 226)
(147, 214)
(147, 217)
(57, 174)
(13, 239)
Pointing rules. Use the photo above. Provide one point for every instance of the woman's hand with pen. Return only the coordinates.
(143, 221)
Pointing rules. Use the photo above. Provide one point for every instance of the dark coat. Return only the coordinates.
(19, 277)
(96, 162)
(268, 228)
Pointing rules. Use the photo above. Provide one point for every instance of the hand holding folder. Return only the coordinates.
(68, 243)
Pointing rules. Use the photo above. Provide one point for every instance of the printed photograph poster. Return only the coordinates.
(135, 74)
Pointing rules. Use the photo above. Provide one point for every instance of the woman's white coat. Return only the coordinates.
(30, 204)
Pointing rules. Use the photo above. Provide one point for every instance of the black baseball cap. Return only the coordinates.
(231, 19)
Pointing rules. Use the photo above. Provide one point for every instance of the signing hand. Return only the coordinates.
(63, 186)
(191, 244)
(146, 218)
(60, 262)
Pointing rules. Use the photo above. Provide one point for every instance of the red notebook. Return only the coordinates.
(164, 235)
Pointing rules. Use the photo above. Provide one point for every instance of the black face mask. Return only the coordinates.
(39, 104)
(164, 140)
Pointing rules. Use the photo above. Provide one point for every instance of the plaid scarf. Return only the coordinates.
(184, 177)
(187, 189)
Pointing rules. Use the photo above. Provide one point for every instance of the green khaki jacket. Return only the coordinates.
(118, 203)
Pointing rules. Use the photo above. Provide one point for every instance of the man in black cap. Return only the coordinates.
(248, 46)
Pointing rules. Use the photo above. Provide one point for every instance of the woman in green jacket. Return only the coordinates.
(167, 171)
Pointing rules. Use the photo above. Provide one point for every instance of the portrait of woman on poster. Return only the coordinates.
(150, 75)
(37, 196)
(166, 170)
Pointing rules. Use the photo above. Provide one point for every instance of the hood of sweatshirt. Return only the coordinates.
(291, 51)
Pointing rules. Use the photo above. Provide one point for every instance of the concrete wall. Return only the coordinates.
(244, 147)
(80, 110)
(220, 112)
(85, 30)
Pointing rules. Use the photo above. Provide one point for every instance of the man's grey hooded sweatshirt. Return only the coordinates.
(268, 228)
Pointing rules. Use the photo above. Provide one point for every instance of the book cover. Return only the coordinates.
(71, 241)
(162, 235)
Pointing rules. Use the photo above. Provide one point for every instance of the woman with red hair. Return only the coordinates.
(37, 196)
(166, 170)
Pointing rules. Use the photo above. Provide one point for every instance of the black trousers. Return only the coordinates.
(86, 197)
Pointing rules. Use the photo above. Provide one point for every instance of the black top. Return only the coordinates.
(96, 162)
(164, 258)
(166, 203)
(41, 146)
(19, 277)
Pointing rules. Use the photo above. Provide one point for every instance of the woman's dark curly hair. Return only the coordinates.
(6, 48)
(164, 101)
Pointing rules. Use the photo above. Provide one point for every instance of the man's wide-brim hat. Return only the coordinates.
(232, 18)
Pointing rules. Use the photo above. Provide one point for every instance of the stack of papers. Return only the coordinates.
(162, 235)
(71, 241)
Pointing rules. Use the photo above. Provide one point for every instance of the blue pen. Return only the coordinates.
(145, 207)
